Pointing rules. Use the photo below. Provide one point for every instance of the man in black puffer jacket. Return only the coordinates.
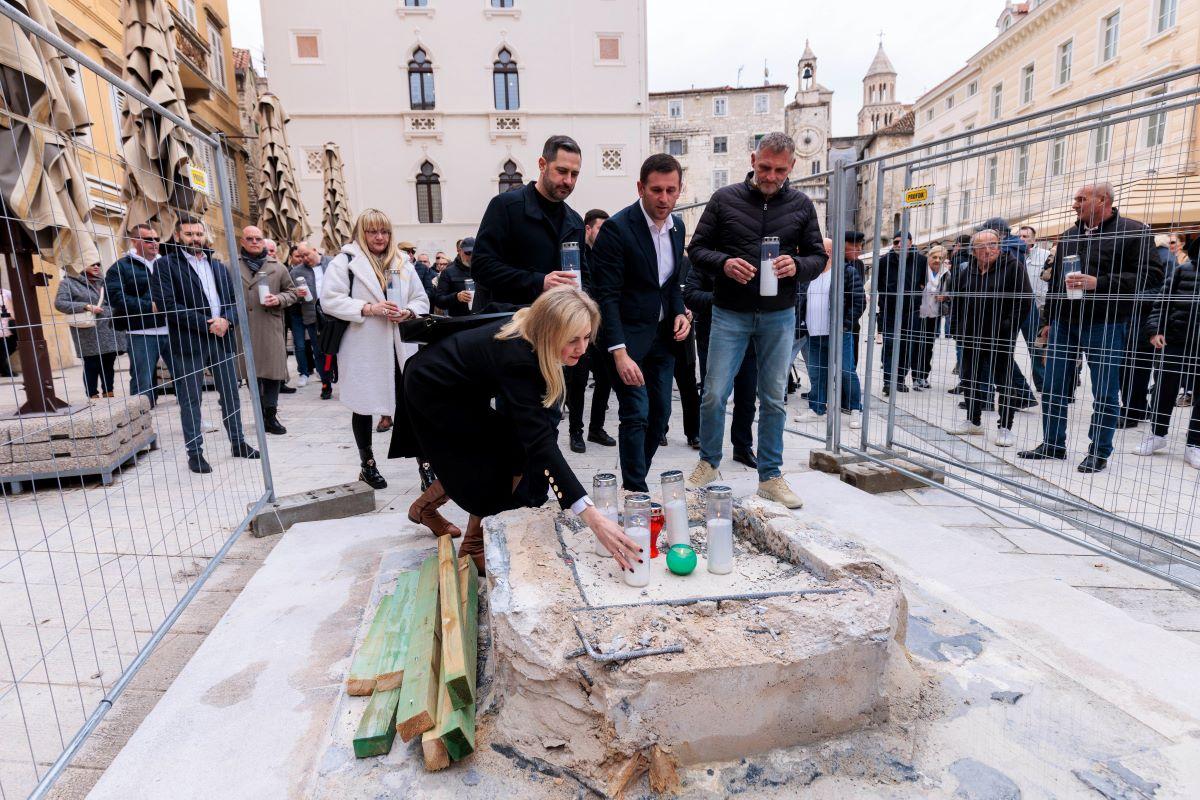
(727, 245)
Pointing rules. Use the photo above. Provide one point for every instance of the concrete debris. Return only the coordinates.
(1008, 697)
(1115, 781)
(978, 781)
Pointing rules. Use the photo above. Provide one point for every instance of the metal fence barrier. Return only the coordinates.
(107, 535)
(1078, 377)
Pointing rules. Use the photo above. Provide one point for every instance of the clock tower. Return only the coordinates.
(808, 121)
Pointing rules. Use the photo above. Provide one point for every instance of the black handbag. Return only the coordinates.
(329, 337)
(432, 328)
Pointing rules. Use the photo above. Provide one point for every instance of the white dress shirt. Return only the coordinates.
(149, 265)
(660, 235)
(817, 311)
(204, 271)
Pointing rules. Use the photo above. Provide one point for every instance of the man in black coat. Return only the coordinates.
(635, 272)
(594, 363)
(196, 294)
(127, 283)
(916, 270)
(518, 247)
(451, 291)
(854, 246)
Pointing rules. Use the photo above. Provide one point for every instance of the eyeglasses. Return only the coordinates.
(146, 239)
(253, 238)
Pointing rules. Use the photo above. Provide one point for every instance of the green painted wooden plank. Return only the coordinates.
(457, 729)
(454, 651)
(395, 634)
(365, 666)
(417, 708)
(377, 728)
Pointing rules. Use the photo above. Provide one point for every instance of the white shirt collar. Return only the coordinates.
(133, 254)
(668, 225)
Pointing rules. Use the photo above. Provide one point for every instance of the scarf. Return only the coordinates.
(255, 262)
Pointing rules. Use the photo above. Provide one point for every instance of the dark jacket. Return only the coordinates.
(854, 300)
(1176, 313)
(517, 246)
(127, 284)
(475, 445)
(991, 305)
(625, 283)
(426, 274)
(916, 272)
(179, 295)
(1122, 256)
(698, 297)
(733, 225)
(452, 281)
(310, 312)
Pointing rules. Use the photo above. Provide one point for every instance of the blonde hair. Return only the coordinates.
(937, 249)
(556, 317)
(373, 220)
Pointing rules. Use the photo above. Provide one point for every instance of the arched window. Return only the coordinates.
(420, 81)
(504, 82)
(429, 195)
(510, 178)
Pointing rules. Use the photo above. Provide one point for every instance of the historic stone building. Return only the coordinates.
(808, 120)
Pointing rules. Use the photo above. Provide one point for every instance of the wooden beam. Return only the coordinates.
(395, 634)
(365, 667)
(454, 652)
(377, 728)
(457, 728)
(436, 755)
(417, 709)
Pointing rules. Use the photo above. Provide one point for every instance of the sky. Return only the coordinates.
(926, 42)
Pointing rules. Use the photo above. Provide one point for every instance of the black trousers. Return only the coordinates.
(685, 381)
(362, 425)
(1136, 371)
(1178, 366)
(6, 342)
(98, 370)
(987, 363)
(594, 363)
(906, 346)
(268, 390)
(925, 335)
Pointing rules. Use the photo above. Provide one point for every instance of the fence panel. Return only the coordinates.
(106, 533)
(1029, 361)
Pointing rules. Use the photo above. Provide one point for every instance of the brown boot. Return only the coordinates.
(472, 544)
(424, 511)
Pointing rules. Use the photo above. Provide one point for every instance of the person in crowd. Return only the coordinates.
(423, 259)
(594, 363)
(440, 262)
(1036, 259)
(889, 277)
(196, 293)
(484, 404)
(264, 321)
(424, 272)
(99, 343)
(993, 296)
(642, 312)
(929, 314)
(371, 357)
(8, 333)
(271, 248)
(451, 292)
(854, 242)
(727, 244)
(306, 318)
(817, 295)
(518, 247)
(1137, 368)
(1015, 247)
(128, 283)
(698, 297)
(1173, 329)
(1177, 252)
(1116, 263)
(684, 353)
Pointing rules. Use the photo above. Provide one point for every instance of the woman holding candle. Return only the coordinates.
(482, 450)
(372, 285)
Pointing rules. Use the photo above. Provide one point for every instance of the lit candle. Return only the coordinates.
(768, 283)
(675, 507)
(569, 260)
(720, 529)
(637, 529)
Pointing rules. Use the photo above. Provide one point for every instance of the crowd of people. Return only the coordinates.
(548, 300)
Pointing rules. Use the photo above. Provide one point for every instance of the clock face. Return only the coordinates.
(809, 141)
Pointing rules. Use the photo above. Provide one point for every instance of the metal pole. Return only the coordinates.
(897, 323)
(242, 328)
(833, 377)
(880, 172)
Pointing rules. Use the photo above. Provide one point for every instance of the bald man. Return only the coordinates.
(265, 320)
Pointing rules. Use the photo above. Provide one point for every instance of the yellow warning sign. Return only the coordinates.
(916, 196)
(199, 178)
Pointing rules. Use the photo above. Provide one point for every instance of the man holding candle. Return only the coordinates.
(451, 292)
(729, 245)
(268, 289)
(306, 316)
(635, 275)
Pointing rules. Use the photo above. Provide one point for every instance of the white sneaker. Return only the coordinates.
(208, 426)
(964, 428)
(703, 474)
(1150, 445)
(1192, 456)
(777, 489)
(808, 415)
(855, 420)
(1005, 438)
(302, 381)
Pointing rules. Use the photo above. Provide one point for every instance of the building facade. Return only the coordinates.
(438, 105)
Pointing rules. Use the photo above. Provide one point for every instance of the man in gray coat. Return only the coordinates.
(264, 323)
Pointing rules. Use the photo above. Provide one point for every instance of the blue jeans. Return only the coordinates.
(771, 333)
(1104, 347)
(644, 412)
(144, 352)
(299, 332)
(817, 356)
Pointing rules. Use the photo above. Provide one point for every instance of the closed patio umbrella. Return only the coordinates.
(335, 217)
(281, 214)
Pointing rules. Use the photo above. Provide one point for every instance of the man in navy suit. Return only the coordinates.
(635, 267)
(195, 292)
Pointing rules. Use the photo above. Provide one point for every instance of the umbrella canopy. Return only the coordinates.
(41, 111)
(281, 214)
(335, 218)
(157, 152)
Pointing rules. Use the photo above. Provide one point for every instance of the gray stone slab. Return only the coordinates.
(332, 502)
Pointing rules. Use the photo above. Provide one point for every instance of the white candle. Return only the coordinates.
(264, 292)
(641, 569)
(597, 546)
(768, 284)
(675, 512)
(720, 546)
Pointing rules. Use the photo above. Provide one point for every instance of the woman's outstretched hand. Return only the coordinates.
(613, 537)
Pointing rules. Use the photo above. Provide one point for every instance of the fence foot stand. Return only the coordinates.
(831, 462)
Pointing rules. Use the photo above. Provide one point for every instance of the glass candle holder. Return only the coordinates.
(569, 260)
(604, 495)
(301, 283)
(263, 288)
(469, 287)
(768, 284)
(719, 516)
(675, 507)
(657, 520)
(637, 528)
(395, 287)
(1070, 266)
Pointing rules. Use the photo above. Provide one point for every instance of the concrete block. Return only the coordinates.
(332, 502)
(93, 464)
(5, 453)
(878, 478)
(828, 461)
